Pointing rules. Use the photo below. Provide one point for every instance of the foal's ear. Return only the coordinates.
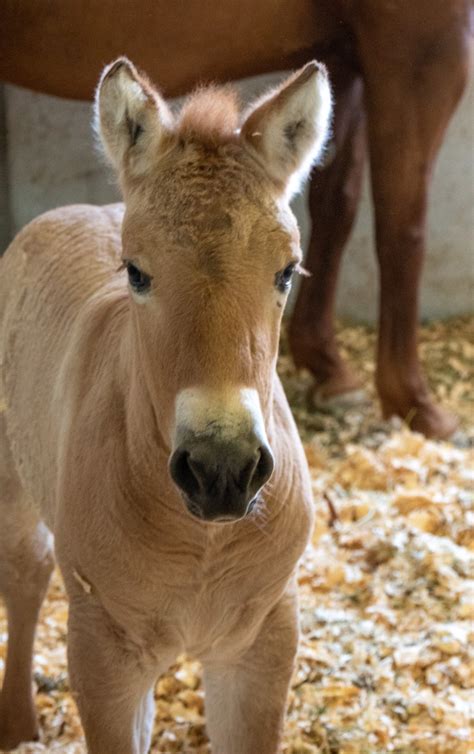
(287, 129)
(131, 118)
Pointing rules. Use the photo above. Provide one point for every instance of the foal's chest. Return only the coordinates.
(217, 601)
(220, 615)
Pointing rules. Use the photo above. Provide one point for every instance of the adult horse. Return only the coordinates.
(145, 420)
(398, 69)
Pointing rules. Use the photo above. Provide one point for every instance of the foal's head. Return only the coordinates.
(210, 246)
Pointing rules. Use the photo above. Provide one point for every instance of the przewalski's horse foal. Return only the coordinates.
(145, 420)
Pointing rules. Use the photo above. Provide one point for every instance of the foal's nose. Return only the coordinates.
(220, 481)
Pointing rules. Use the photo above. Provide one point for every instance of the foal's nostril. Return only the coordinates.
(257, 471)
(182, 473)
(264, 468)
(244, 477)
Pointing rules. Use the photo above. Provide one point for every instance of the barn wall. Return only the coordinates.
(47, 159)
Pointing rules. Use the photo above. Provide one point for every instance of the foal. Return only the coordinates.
(144, 422)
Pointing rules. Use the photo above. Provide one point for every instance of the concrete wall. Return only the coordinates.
(5, 232)
(49, 160)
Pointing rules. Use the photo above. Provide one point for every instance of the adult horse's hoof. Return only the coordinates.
(427, 418)
(338, 401)
(18, 724)
(343, 390)
(333, 377)
(12, 737)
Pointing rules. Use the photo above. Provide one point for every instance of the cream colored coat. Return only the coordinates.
(89, 384)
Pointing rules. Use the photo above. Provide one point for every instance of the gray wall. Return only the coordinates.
(48, 159)
(5, 232)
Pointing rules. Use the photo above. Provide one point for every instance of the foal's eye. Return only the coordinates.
(283, 278)
(139, 280)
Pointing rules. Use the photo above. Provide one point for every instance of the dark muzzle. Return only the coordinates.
(220, 481)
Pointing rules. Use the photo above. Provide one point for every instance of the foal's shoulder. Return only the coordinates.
(66, 235)
(72, 222)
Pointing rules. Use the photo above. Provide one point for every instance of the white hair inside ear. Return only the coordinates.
(130, 117)
(287, 129)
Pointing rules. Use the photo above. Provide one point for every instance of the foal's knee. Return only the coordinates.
(27, 564)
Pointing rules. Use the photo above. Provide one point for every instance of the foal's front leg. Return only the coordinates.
(112, 682)
(246, 698)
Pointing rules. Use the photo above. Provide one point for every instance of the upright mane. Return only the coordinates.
(210, 115)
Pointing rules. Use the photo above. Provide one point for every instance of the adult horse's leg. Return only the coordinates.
(246, 696)
(412, 89)
(26, 563)
(333, 200)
